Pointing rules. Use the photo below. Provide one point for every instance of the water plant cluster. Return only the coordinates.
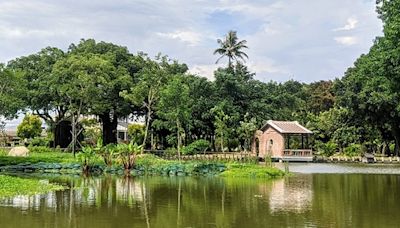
(126, 159)
(11, 186)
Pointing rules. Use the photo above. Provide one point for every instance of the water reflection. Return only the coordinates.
(320, 200)
(292, 194)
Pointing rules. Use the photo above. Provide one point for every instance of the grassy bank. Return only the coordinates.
(12, 186)
(53, 161)
(252, 171)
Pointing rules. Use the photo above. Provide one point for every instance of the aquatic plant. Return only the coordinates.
(126, 153)
(12, 186)
(87, 158)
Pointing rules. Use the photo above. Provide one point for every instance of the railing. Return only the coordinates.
(297, 153)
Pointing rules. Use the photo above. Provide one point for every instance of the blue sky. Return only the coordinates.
(305, 40)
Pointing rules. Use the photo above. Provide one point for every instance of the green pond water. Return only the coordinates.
(317, 195)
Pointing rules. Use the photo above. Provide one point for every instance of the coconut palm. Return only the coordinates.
(231, 48)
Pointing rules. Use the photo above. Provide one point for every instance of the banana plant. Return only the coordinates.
(108, 154)
(127, 155)
(86, 157)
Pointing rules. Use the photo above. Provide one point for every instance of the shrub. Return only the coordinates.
(136, 133)
(30, 127)
(171, 151)
(353, 150)
(39, 141)
(195, 147)
(108, 153)
(3, 152)
(327, 149)
(43, 149)
(87, 158)
(127, 155)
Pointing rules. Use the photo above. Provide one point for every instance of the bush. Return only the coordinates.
(30, 127)
(39, 141)
(327, 149)
(136, 133)
(353, 150)
(195, 147)
(171, 151)
(87, 158)
(3, 152)
(43, 149)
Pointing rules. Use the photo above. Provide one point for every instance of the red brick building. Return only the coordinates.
(283, 140)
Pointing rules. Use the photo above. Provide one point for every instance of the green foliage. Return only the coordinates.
(136, 133)
(87, 158)
(3, 152)
(126, 153)
(252, 171)
(196, 147)
(353, 150)
(247, 129)
(232, 48)
(13, 186)
(221, 125)
(108, 153)
(11, 92)
(328, 149)
(174, 107)
(42, 149)
(39, 141)
(92, 131)
(30, 127)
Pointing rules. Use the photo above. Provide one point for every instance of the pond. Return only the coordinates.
(317, 195)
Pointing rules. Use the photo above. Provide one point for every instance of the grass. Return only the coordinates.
(252, 171)
(13, 186)
(48, 157)
(154, 165)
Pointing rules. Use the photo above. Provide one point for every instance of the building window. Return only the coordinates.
(121, 135)
(271, 142)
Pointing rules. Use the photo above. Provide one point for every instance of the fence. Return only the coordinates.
(209, 156)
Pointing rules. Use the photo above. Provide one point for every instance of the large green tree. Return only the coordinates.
(11, 92)
(36, 71)
(371, 89)
(110, 106)
(174, 107)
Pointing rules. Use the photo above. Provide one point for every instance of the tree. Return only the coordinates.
(37, 80)
(11, 92)
(174, 107)
(232, 48)
(30, 127)
(247, 129)
(146, 91)
(111, 106)
(136, 133)
(221, 122)
(82, 79)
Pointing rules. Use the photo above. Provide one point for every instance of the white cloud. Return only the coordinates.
(351, 24)
(206, 70)
(190, 37)
(346, 40)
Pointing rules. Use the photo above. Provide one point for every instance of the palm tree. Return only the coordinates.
(231, 48)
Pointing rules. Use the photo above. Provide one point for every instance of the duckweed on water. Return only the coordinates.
(12, 186)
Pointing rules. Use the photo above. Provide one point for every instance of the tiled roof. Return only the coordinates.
(289, 127)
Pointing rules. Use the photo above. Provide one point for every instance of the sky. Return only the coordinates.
(304, 40)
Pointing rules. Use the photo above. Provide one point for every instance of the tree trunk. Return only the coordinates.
(179, 138)
(109, 128)
(146, 132)
(396, 135)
